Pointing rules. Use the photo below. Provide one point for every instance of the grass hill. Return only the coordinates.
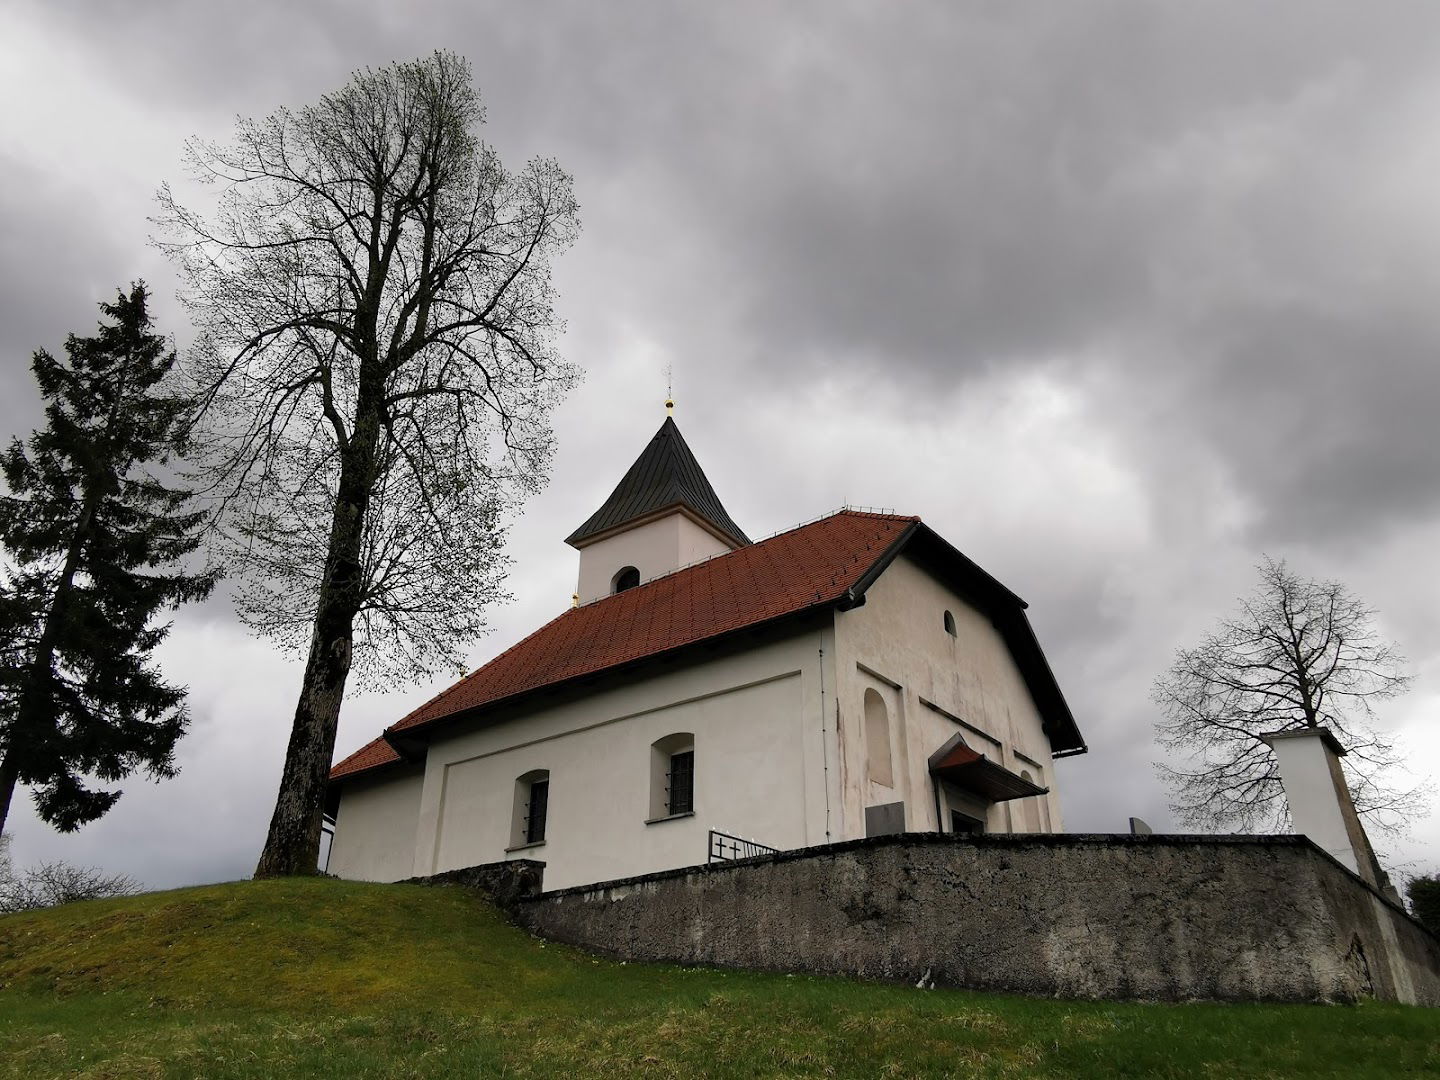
(327, 978)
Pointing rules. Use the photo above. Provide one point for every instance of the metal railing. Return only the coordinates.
(727, 848)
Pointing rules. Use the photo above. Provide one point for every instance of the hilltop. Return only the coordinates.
(326, 978)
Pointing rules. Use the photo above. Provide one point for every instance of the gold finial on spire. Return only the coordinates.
(669, 391)
(574, 599)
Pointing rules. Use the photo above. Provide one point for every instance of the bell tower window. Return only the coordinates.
(627, 577)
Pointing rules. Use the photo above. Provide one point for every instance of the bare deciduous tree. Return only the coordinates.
(1299, 653)
(376, 361)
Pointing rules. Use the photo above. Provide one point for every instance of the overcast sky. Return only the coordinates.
(1115, 295)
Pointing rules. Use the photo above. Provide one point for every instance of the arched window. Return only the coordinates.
(627, 577)
(877, 739)
(672, 775)
(949, 624)
(532, 808)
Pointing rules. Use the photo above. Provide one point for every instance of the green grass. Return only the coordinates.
(327, 978)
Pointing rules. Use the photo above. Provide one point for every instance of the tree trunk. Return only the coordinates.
(9, 774)
(292, 845)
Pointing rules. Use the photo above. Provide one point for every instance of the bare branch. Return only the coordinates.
(370, 266)
(1299, 654)
(376, 367)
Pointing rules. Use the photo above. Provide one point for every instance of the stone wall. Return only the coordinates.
(1153, 917)
(504, 883)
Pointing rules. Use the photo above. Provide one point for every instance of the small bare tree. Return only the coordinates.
(1298, 654)
(49, 884)
(376, 362)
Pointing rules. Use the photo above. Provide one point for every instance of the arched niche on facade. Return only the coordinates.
(877, 739)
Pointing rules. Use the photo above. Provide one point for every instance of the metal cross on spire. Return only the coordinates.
(669, 391)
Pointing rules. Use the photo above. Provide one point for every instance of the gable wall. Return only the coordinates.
(755, 715)
(375, 826)
(896, 645)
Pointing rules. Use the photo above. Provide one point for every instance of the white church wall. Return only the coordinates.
(375, 826)
(755, 718)
(937, 684)
(655, 548)
(694, 542)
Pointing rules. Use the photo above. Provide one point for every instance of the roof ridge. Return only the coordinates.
(831, 560)
(844, 510)
(630, 596)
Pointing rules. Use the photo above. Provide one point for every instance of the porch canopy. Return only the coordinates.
(970, 770)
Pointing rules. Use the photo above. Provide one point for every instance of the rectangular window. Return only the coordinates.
(964, 823)
(535, 817)
(682, 783)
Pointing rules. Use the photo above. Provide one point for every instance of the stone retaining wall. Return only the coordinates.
(505, 883)
(1153, 917)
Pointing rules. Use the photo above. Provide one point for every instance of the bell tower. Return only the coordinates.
(663, 515)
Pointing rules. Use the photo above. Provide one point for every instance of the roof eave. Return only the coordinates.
(368, 771)
(579, 542)
(1007, 611)
(477, 711)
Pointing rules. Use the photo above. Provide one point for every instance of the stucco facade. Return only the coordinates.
(782, 751)
(375, 826)
(754, 716)
(935, 684)
(656, 547)
(829, 683)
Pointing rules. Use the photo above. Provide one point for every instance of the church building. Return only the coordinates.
(853, 676)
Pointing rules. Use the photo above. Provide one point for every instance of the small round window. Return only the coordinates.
(627, 578)
(949, 624)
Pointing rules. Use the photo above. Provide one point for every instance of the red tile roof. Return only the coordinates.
(813, 565)
(370, 756)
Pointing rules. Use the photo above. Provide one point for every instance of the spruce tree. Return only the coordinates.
(94, 548)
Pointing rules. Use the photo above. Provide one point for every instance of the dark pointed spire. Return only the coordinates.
(665, 476)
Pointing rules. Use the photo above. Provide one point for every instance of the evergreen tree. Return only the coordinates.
(93, 544)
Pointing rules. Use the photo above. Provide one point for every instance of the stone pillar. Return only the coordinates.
(1319, 798)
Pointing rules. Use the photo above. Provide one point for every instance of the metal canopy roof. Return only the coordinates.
(665, 475)
(971, 770)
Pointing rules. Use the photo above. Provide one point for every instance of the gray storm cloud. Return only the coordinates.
(1115, 295)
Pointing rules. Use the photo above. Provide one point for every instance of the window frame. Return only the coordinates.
(975, 826)
(532, 792)
(663, 755)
